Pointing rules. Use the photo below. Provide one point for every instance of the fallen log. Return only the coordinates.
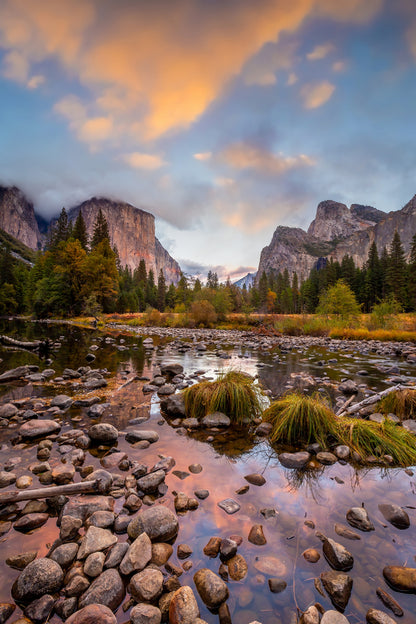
(20, 343)
(84, 487)
(371, 400)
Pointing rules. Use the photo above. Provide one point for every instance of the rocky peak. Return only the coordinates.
(335, 220)
(17, 217)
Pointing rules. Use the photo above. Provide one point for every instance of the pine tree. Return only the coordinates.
(412, 274)
(372, 278)
(263, 290)
(100, 230)
(61, 230)
(384, 265)
(151, 290)
(79, 231)
(161, 292)
(396, 271)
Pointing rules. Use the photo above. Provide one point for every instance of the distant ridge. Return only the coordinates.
(247, 281)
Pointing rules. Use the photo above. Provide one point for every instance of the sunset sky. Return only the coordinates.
(224, 118)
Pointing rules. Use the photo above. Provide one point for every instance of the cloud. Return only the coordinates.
(36, 81)
(246, 156)
(224, 181)
(315, 95)
(291, 79)
(339, 66)
(138, 160)
(155, 67)
(262, 68)
(203, 156)
(201, 270)
(320, 52)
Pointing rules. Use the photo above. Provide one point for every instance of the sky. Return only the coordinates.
(223, 118)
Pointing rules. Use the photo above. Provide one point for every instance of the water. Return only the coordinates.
(323, 495)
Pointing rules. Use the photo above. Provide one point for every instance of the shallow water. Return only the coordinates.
(315, 495)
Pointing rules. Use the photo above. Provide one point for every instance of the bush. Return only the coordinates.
(232, 393)
(383, 313)
(339, 299)
(203, 313)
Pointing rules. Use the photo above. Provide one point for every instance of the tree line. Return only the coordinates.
(75, 275)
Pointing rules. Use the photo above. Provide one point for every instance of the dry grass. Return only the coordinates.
(233, 394)
(402, 403)
(370, 438)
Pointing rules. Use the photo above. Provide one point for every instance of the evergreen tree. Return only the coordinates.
(151, 290)
(373, 278)
(100, 230)
(171, 296)
(263, 290)
(412, 274)
(384, 266)
(396, 270)
(161, 292)
(212, 280)
(61, 230)
(79, 231)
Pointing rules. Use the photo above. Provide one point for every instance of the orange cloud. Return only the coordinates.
(245, 156)
(203, 156)
(315, 95)
(138, 160)
(154, 67)
(320, 52)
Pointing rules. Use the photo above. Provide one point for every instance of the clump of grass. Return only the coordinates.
(233, 393)
(369, 438)
(299, 418)
(402, 403)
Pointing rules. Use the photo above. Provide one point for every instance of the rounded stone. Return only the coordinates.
(160, 524)
(145, 614)
(107, 589)
(103, 433)
(92, 614)
(146, 585)
(40, 577)
(183, 608)
(36, 428)
(211, 588)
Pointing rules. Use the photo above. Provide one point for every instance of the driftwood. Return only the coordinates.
(347, 411)
(20, 343)
(83, 487)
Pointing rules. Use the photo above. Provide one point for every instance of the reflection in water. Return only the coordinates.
(322, 495)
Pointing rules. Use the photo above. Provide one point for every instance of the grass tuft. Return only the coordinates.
(233, 393)
(402, 403)
(369, 438)
(299, 418)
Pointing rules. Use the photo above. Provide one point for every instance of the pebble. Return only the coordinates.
(92, 614)
(229, 505)
(256, 535)
(211, 588)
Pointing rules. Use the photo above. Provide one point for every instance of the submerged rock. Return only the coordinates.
(374, 616)
(229, 505)
(211, 588)
(338, 585)
(396, 515)
(337, 555)
(36, 428)
(294, 460)
(401, 578)
(358, 518)
(183, 607)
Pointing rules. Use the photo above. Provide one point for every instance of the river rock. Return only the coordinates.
(396, 515)
(358, 518)
(83, 507)
(374, 616)
(229, 505)
(171, 368)
(63, 473)
(160, 524)
(326, 458)
(256, 535)
(8, 410)
(310, 616)
(138, 435)
(93, 614)
(344, 531)
(201, 494)
(311, 555)
(348, 387)
(36, 428)
(107, 589)
(93, 565)
(7, 478)
(65, 554)
(277, 585)
(31, 521)
(146, 585)
(211, 588)
(40, 577)
(161, 553)
(389, 602)
(338, 586)
(166, 389)
(228, 548)
(183, 608)
(334, 617)
(150, 482)
(16, 373)
(216, 419)
(138, 555)
(101, 519)
(174, 405)
(401, 578)
(62, 401)
(337, 556)
(19, 562)
(6, 610)
(24, 482)
(103, 433)
(145, 614)
(95, 540)
(40, 609)
(342, 451)
(255, 479)
(294, 460)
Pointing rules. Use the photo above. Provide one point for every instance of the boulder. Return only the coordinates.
(147, 585)
(40, 577)
(145, 614)
(103, 433)
(294, 460)
(183, 608)
(401, 578)
(137, 556)
(358, 518)
(107, 589)
(160, 524)
(211, 588)
(36, 428)
(396, 515)
(95, 540)
(216, 419)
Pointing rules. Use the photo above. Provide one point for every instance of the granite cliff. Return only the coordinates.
(17, 217)
(336, 231)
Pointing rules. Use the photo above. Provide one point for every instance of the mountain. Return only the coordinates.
(247, 281)
(131, 229)
(17, 217)
(336, 231)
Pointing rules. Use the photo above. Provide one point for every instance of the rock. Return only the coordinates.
(101, 519)
(338, 585)
(65, 607)
(374, 616)
(294, 460)
(184, 551)
(40, 609)
(310, 616)
(211, 588)
(63, 473)
(334, 617)
(201, 494)
(103, 433)
(348, 387)
(264, 429)
(396, 515)
(31, 521)
(93, 614)
(213, 547)
(76, 583)
(228, 549)
(138, 435)
(255, 479)
(69, 528)
(344, 531)
(216, 419)
(276, 585)
(36, 428)
(326, 458)
(83, 507)
(337, 556)
(229, 505)
(401, 578)
(147, 585)
(150, 482)
(183, 608)
(6, 610)
(115, 555)
(270, 565)
(171, 368)
(137, 556)
(40, 577)
(95, 540)
(256, 535)
(65, 554)
(311, 555)
(107, 589)
(15, 373)
(160, 524)
(358, 518)
(342, 451)
(409, 425)
(390, 602)
(6, 478)
(145, 614)
(174, 406)
(8, 410)
(19, 562)
(93, 565)
(62, 401)
(166, 389)
(161, 553)
(24, 482)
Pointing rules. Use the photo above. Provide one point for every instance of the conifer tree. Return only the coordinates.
(61, 230)
(396, 270)
(373, 278)
(79, 231)
(100, 230)
(161, 292)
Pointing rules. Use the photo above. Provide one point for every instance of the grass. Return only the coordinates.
(369, 438)
(402, 403)
(299, 418)
(233, 393)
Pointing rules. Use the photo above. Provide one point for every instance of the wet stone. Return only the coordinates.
(138, 435)
(374, 616)
(92, 614)
(69, 528)
(195, 468)
(107, 589)
(39, 610)
(137, 556)
(337, 555)
(41, 576)
(294, 460)
(184, 551)
(311, 555)
(216, 419)
(396, 515)
(201, 494)
(256, 535)
(389, 602)
(103, 433)
(145, 614)
(229, 505)
(6, 478)
(211, 588)
(115, 555)
(276, 585)
(161, 553)
(146, 585)
(334, 617)
(326, 458)
(150, 482)
(6, 610)
(94, 540)
(237, 568)
(101, 519)
(344, 531)
(243, 490)
(338, 585)
(228, 548)
(19, 562)
(213, 547)
(65, 554)
(401, 578)
(93, 565)
(358, 518)
(31, 521)
(255, 479)
(160, 524)
(183, 607)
